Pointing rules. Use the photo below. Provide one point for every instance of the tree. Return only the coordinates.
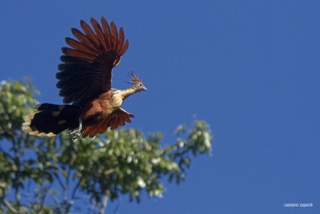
(55, 173)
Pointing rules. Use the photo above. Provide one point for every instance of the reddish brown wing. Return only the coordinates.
(86, 68)
(117, 118)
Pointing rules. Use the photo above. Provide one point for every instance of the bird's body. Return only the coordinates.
(85, 82)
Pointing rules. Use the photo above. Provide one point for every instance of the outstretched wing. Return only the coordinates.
(117, 118)
(86, 68)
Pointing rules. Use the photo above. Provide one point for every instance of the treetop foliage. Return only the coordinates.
(55, 173)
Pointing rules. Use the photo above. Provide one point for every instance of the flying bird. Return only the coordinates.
(91, 105)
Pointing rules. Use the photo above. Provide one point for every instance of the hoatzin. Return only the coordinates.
(85, 83)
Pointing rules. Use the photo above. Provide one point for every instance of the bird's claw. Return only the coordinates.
(76, 132)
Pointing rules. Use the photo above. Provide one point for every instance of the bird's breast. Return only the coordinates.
(116, 101)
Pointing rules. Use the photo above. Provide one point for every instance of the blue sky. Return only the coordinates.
(251, 69)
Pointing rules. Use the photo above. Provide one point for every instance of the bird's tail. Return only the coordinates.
(52, 119)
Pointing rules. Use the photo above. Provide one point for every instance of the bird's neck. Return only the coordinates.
(126, 93)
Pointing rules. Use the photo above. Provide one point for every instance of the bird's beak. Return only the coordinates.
(144, 88)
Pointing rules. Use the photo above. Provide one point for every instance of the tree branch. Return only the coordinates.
(104, 203)
(9, 206)
(16, 185)
(73, 195)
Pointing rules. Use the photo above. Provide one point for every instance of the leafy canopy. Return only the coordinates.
(63, 172)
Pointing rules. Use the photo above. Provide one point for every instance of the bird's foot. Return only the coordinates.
(75, 133)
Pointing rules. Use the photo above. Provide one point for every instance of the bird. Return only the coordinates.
(90, 104)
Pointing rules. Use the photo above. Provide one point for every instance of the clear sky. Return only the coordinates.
(251, 69)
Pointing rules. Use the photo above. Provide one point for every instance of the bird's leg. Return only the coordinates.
(76, 132)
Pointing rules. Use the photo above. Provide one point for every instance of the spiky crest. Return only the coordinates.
(134, 79)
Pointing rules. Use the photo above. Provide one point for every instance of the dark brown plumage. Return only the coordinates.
(84, 80)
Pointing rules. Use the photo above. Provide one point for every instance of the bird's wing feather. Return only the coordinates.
(117, 118)
(86, 68)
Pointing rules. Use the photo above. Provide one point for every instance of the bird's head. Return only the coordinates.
(136, 82)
